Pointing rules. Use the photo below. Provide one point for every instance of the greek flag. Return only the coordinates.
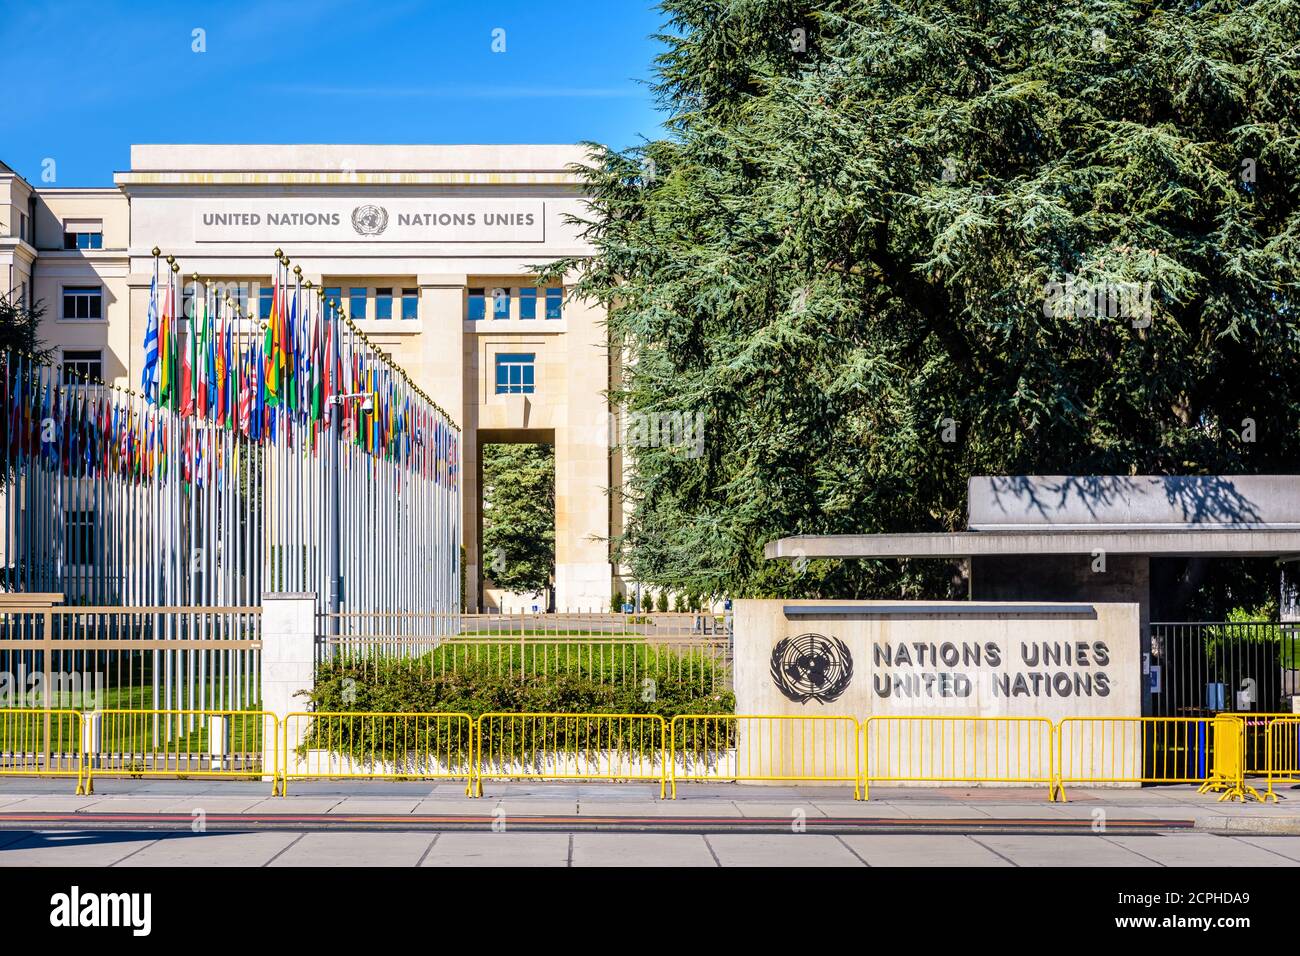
(149, 378)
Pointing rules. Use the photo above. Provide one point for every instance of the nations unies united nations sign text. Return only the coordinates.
(369, 220)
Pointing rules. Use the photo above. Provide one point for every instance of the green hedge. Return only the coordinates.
(414, 686)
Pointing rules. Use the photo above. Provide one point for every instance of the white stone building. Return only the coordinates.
(431, 249)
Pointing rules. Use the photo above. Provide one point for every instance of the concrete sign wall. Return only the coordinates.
(915, 666)
(865, 658)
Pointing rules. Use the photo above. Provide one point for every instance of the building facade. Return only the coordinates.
(432, 250)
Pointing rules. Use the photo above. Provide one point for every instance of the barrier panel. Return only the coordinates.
(1282, 752)
(41, 742)
(1256, 731)
(963, 750)
(1137, 750)
(231, 744)
(723, 747)
(549, 746)
(377, 746)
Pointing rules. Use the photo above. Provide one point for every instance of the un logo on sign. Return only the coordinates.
(369, 220)
(811, 667)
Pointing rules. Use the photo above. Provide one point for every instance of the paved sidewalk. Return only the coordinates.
(359, 823)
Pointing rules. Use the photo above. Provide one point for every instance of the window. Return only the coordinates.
(81, 365)
(410, 304)
(336, 294)
(83, 302)
(22, 227)
(80, 538)
(527, 303)
(554, 303)
(515, 373)
(83, 234)
(477, 305)
(500, 303)
(383, 303)
(357, 303)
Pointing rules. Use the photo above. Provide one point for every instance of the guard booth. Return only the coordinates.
(1147, 540)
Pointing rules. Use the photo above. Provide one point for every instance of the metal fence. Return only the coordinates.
(619, 747)
(1208, 667)
(179, 743)
(959, 750)
(715, 748)
(692, 650)
(373, 745)
(540, 746)
(1282, 752)
(131, 658)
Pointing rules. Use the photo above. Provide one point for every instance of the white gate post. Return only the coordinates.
(288, 665)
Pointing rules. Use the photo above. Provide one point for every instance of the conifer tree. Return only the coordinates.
(888, 246)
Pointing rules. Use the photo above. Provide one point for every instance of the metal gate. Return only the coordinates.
(1203, 668)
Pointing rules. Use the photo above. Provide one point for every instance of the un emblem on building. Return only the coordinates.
(811, 667)
(369, 220)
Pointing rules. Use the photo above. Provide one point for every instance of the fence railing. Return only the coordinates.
(41, 742)
(1282, 752)
(231, 744)
(131, 658)
(253, 745)
(542, 746)
(393, 746)
(626, 650)
(1112, 750)
(959, 750)
(717, 748)
(1207, 667)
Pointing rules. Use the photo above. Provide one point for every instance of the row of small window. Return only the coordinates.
(87, 302)
(501, 299)
(374, 304)
(515, 371)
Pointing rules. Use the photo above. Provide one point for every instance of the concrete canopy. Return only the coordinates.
(1156, 516)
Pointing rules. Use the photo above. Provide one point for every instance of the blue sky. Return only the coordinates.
(89, 79)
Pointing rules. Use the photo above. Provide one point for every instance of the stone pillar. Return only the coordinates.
(583, 573)
(288, 661)
(449, 377)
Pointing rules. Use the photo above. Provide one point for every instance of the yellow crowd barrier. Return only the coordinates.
(1215, 752)
(550, 746)
(377, 745)
(1137, 750)
(1281, 752)
(1004, 750)
(41, 742)
(723, 747)
(231, 744)
(1255, 754)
